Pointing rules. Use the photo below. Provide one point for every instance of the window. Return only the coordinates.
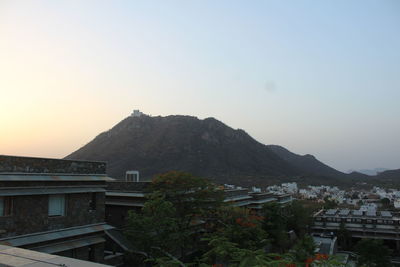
(56, 205)
(132, 176)
(92, 202)
(129, 177)
(5, 206)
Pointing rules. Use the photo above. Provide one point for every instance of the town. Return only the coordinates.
(73, 209)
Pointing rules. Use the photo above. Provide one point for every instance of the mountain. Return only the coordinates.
(207, 148)
(389, 175)
(371, 172)
(204, 147)
(308, 164)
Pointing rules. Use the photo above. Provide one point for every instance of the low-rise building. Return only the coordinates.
(361, 224)
(53, 206)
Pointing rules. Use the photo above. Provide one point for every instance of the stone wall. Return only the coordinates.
(43, 165)
(30, 214)
(128, 186)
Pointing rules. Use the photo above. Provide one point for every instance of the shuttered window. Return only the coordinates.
(56, 205)
(5, 206)
(1, 206)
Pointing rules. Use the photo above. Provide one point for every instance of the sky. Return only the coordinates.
(317, 77)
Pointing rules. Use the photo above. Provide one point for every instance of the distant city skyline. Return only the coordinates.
(317, 77)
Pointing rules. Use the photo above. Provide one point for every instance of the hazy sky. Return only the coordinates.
(318, 77)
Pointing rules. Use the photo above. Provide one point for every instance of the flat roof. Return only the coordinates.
(52, 177)
(17, 164)
(34, 238)
(357, 212)
(344, 212)
(386, 214)
(4, 191)
(331, 212)
(18, 257)
(235, 198)
(70, 244)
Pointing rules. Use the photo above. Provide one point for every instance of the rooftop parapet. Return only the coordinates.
(354, 213)
(25, 165)
(123, 186)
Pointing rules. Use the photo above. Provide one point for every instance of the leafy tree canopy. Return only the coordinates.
(372, 253)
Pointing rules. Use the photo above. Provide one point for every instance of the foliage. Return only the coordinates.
(224, 251)
(299, 218)
(344, 237)
(304, 249)
(282, 219)
(178, 205)
(373, 253)
(329, 203)
(385, 203)
(186, 214)
(191, 196)
(156, 227)
(240, 226)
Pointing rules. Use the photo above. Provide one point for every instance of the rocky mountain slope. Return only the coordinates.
(308, 164)
(206, 148)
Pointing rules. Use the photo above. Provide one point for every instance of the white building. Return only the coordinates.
(290, 188)
(137, 113)
(396, 204)
(372, 207)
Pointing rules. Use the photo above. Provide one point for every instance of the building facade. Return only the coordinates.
(53, 206)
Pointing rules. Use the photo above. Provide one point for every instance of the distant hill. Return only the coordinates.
(370, 172)
(207, 148)
(389, 175)
(308, 164)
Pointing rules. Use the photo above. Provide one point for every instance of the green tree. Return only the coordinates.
(299, 218)
(275, 225)
(154, 232)
(179, 207)
(344, 237)
(373, 253)
(329, 203)
(240, 226)
(304, 249)
(279, 220)
(222, 251)
(385, 203)
(191, 196)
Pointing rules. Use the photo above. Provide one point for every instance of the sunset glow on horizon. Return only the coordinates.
(317, 77)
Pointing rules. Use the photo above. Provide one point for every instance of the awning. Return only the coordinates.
(48, 191)
(125, 194)
(63, 246)
(127, 204)
(23, 240)
(120, 239)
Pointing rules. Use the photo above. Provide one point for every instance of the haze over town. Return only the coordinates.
(315, 77)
